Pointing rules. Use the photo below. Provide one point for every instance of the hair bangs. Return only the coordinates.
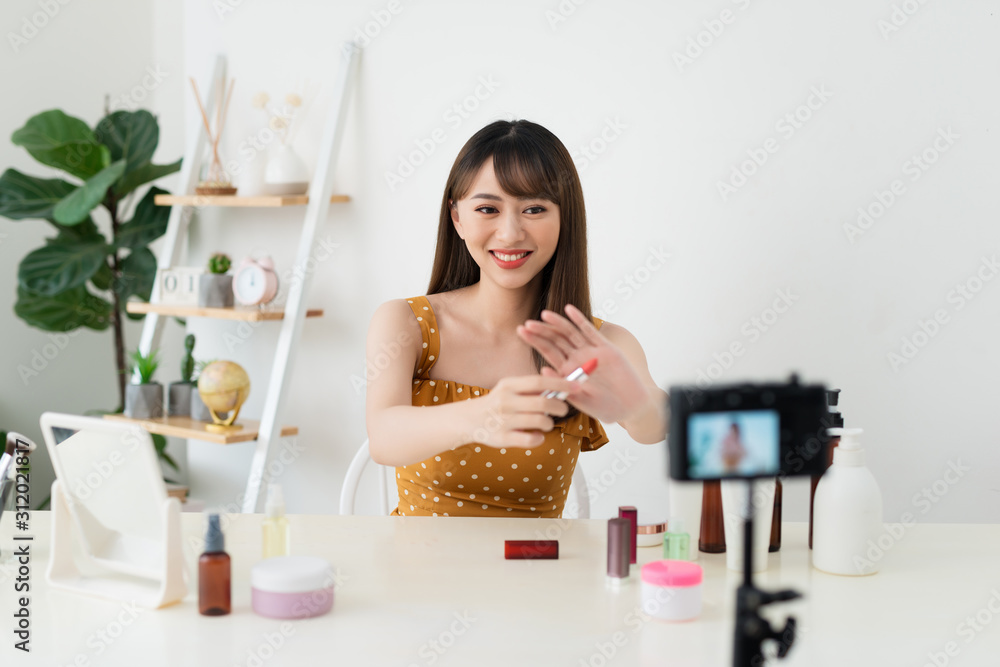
(524, 171)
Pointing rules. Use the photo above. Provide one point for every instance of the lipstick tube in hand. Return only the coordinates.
(580, 375)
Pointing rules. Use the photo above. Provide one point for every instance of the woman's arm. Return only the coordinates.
(400, 433)
(649, 420)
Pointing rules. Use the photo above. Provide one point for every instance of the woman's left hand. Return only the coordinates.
(614, 391)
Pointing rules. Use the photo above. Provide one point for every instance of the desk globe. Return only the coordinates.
(223, 386)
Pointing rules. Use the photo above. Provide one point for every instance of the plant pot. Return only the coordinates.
(215, 291)
(144, 401)
(286, 173)
(179, 399)
(199, 411)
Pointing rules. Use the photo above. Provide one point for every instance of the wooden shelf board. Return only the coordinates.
(246, 314)
(185, 427)
(236, 200)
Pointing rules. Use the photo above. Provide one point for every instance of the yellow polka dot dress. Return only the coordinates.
(478, 480)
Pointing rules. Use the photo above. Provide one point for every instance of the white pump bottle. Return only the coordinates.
(847, 511)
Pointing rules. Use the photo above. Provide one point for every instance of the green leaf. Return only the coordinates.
(85, 231)
(129, 135)
(64, 142)
(102, 279)
(64, 311)
(24, 197)
(160, 444)
(77, 205)
(138, 271)
(147, 224)
(142, 174)
(60, 266)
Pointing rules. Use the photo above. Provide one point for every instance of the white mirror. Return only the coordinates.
(115, 532)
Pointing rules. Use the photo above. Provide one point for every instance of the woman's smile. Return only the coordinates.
(510, 259)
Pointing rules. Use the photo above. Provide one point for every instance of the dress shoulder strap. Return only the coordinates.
(431, 348)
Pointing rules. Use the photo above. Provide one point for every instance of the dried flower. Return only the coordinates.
(293, 100)
(260, 100)
(277, 123)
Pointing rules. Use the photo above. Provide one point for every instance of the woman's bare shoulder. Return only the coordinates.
(394, 320)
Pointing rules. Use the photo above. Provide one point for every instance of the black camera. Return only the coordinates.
(746, 431)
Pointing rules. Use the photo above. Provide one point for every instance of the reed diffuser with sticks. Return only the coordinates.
(213, 178)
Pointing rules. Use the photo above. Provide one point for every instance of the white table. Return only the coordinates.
(423, 591)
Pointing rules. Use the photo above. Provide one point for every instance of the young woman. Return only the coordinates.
(458, 410)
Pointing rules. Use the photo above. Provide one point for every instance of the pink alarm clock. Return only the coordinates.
(255, 282)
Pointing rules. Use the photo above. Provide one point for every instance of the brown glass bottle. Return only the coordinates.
(776, 519)
(713, 535)
(214, 573)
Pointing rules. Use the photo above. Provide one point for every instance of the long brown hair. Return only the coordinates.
(529, 161)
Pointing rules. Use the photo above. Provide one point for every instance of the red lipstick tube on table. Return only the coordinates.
(632, 514)
(531, 549)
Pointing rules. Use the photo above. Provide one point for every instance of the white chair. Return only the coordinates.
(578, 495)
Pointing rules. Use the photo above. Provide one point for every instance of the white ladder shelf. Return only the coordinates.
(317, 207)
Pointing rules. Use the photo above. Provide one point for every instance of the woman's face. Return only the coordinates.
(511, 239)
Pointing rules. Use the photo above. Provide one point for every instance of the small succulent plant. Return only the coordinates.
(144, 364)
(219, 263)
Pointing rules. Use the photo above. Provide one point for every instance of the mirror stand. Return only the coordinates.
(91, 578)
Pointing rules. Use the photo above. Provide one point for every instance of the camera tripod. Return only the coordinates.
(752, 629)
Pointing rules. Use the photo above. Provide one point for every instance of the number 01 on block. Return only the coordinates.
(179, 285)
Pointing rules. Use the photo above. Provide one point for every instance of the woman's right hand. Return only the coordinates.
(515, 414)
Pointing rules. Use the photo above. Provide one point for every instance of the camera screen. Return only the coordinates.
(739, 443)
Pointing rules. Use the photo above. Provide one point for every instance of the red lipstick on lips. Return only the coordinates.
(504, 264)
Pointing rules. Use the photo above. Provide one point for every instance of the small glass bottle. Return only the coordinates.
(676, 543)
(276, 533)
(214, 572)
(713, 535)
(776, 519)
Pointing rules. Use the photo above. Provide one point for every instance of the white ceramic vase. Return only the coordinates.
(286, 173)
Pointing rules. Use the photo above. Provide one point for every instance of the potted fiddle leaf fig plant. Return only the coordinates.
(83, 276)
(215, 289)
(179, 393)
(145, 399)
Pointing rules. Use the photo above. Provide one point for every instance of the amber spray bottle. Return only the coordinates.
(834, 420)
(214, 572)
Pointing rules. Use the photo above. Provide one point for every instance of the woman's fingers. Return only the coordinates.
(585, 325)
(544, 343)
(564, 328)
(548, 333)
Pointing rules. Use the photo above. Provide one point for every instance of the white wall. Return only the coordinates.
(682, 129)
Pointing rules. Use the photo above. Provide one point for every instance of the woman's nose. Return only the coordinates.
(510, 228)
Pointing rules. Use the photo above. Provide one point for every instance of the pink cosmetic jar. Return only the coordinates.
(291, 587)
(671, 589)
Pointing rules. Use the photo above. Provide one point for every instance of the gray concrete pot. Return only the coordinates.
(179, 399)
(199, 411)
(215, 290)
(144, 401)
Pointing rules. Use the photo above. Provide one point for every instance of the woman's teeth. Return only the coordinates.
(509, 258)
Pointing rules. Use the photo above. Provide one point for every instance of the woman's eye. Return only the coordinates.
(535, 210)
(489, 210)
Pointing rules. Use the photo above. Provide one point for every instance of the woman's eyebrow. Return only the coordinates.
(484, 195)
